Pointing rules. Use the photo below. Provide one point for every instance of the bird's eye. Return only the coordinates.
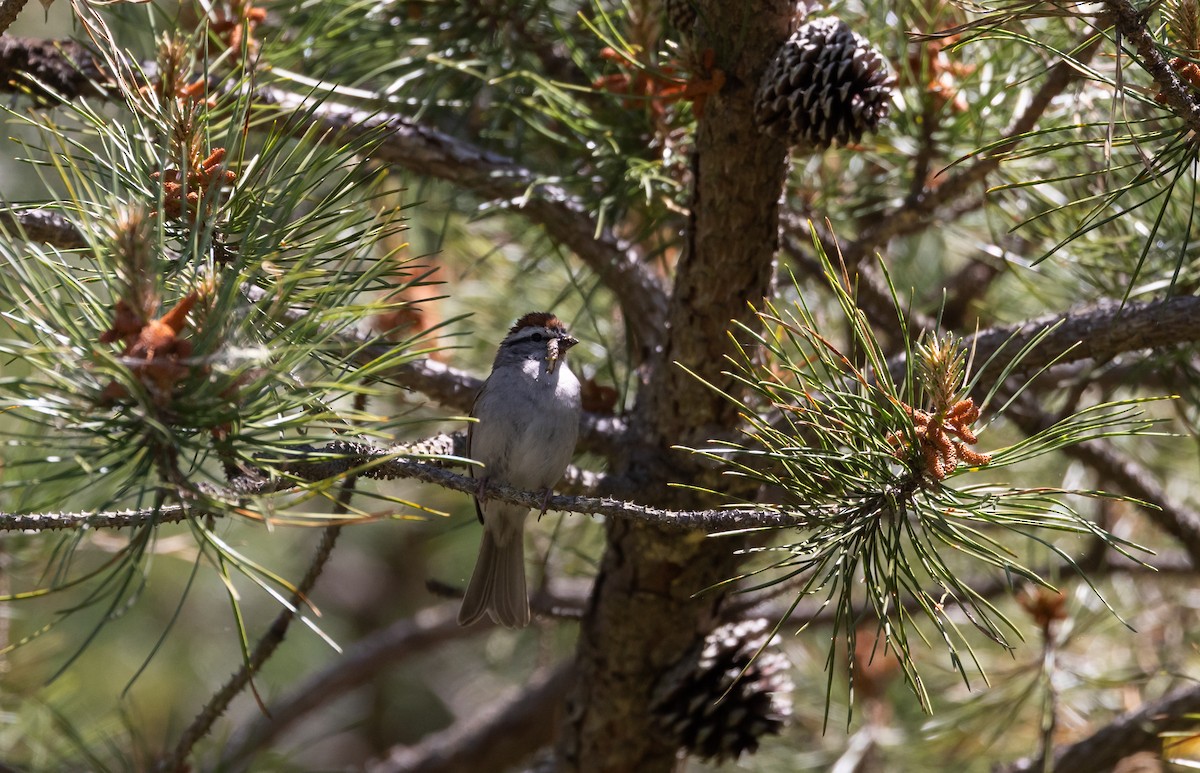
(537, 337)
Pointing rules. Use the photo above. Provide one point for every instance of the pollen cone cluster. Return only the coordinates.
(719, 701)
(826, 85)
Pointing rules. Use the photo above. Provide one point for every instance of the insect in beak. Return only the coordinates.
(555, 348)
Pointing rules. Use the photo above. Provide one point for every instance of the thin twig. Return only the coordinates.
(373, 462)
(110, 519)
(342, 458)
(200, 727)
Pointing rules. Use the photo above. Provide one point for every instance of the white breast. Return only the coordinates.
(528, 421)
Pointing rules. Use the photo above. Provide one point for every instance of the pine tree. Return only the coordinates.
(889, 325)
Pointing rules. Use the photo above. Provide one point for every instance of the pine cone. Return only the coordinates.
(720, 699)
(681, 14)
(826, 84)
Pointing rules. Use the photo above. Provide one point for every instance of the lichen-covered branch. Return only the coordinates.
(344, 458)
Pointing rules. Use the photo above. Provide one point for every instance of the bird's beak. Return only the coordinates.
(556, 348)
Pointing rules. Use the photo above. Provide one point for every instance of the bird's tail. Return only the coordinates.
(497, 585)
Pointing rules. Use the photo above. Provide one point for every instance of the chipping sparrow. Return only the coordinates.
(528, 419)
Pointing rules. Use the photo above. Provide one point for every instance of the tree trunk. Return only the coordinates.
(645, 613)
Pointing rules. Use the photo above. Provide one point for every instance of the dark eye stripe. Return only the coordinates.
(522, 337)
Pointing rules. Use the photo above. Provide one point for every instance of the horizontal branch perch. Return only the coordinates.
(342, 458)
(384, 464)
(113, 519)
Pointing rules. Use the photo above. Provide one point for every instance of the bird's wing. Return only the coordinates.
(470, 432)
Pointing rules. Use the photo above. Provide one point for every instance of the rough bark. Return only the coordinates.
(649, 606)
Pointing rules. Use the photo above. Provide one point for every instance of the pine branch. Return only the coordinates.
(919, 211)
(343, 458)
(380, 464)
(201, 726)
(1129, 733)
(360, 664)
(1120, 472)
(497, 737)
(496, 178)
(1097, 332)
(112, 519)
(1131, 24)
(1103, 331)
(71, 71)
